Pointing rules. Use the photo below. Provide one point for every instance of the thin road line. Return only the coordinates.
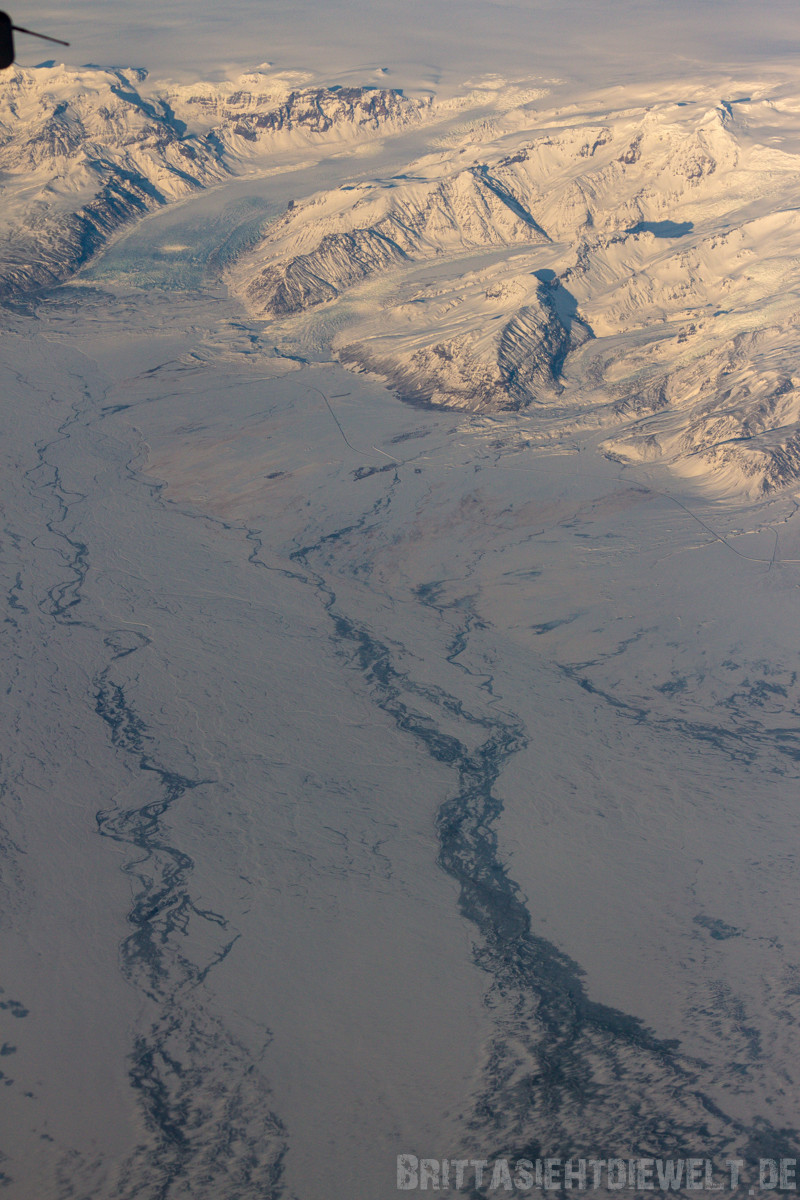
(355, 449)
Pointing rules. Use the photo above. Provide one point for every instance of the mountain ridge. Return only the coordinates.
(631, 267)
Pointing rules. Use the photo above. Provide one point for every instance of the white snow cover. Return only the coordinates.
(649, 247)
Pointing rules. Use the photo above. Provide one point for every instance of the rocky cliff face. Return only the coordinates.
(513, 367)
(254, 110)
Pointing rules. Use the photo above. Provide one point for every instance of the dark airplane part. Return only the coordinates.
(7, 39)
(44, 36)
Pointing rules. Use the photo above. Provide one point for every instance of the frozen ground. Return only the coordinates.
(377, 778)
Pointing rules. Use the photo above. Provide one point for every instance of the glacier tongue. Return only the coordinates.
(85, 152)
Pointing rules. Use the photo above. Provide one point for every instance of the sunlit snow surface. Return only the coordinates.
(377, 778)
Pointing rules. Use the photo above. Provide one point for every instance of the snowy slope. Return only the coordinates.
(630, 261)
(84, 152)
(665, 231)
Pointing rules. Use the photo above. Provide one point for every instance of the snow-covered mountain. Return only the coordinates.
(670, 232)
(630, 265)
(84, 152)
